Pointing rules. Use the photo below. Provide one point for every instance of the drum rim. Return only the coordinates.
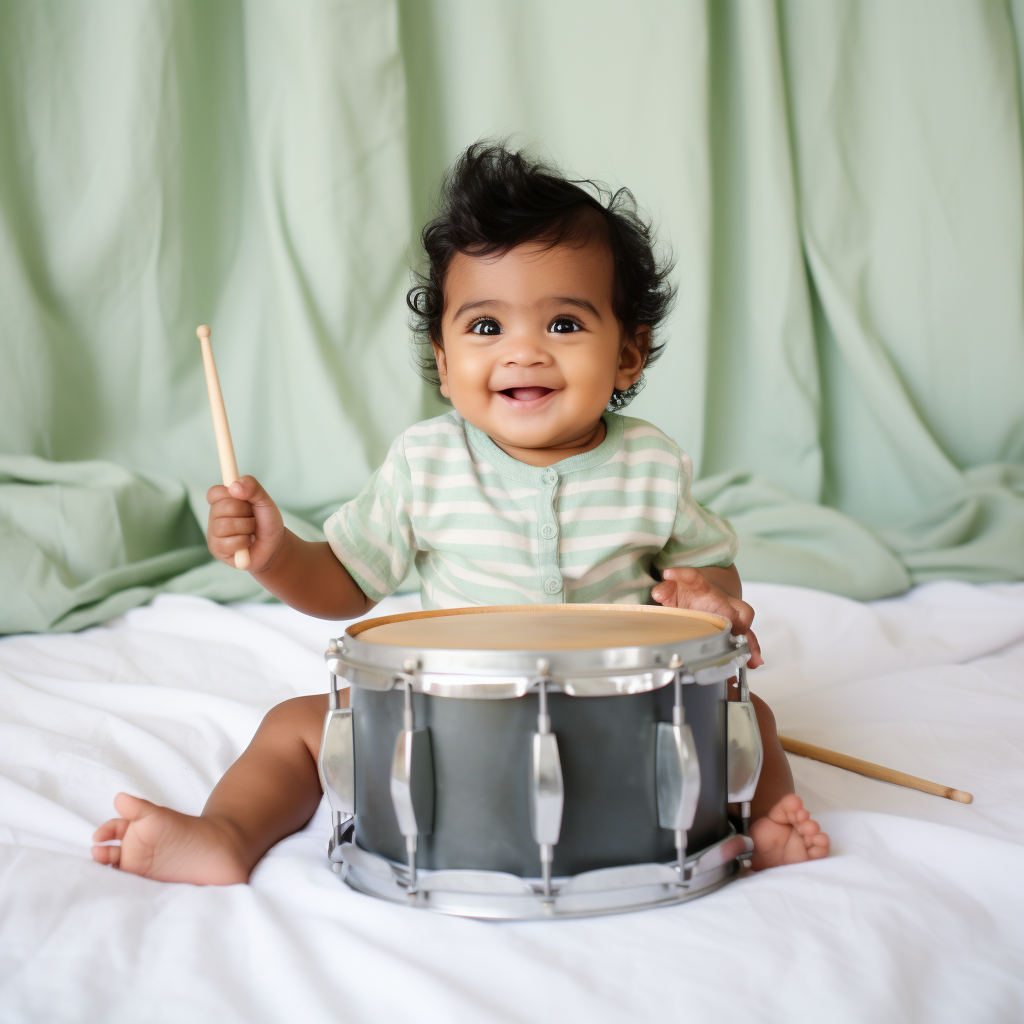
(533, 609)
(386, 879)
(502, 674)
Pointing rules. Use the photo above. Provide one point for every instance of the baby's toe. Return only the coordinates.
(113, 829)
(807, 827)
(818, 845)
(782, 813)
(107, 855)
(132, 807)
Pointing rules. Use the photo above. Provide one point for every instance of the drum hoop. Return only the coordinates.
(504, 674)
(533, 609)
(496, 895)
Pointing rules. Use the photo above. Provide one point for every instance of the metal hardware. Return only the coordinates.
(606, 685)
(726, 668)
(493, 882)
(496, 895)
(339, 837)
(366, 863)
(337, 761)
(628, 876)
(678, 779)
(439, 684)
(334, 662)
(412, 783)
(546, 793)
(744, 752)
(336, 764)
(677, 774)
(732, 848)
(469, 686)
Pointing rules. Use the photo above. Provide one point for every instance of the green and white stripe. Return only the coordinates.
(483, 528)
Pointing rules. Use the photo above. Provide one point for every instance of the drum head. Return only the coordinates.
(565, 627)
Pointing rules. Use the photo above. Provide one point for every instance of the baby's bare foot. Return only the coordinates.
(787, 835)
(159, 843)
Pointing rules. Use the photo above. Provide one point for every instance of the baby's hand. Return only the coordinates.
(687, 588)
(244, 516)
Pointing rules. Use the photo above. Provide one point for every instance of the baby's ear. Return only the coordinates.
(633, 357)
(642, 340)
(442, 367)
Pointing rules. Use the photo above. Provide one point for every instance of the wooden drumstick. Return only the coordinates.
(874, 771)
(225, 449)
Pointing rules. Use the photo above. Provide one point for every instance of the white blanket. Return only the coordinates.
(918, 915)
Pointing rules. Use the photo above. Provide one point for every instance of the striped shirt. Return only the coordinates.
(483, 528)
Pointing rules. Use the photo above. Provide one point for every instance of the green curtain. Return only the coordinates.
(841, 184)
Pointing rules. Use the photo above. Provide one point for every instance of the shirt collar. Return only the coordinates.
(521, 472)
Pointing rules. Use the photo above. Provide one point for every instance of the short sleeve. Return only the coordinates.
(372, 533)
(699, 537)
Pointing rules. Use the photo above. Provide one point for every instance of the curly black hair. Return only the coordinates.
(493, 199)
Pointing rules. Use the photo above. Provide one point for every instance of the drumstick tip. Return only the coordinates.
(203, 332)
(960, 796)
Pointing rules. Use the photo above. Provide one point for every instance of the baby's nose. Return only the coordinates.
(525, 350)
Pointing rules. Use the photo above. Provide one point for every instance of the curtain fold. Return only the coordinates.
(840, 182)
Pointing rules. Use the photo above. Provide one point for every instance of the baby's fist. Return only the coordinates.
(243, 515)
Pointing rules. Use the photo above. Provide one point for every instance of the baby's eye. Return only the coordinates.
(563, 325)
(486, 327)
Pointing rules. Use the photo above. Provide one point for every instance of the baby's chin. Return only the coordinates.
(524, 434)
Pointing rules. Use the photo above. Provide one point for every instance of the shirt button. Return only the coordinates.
(553, 585)
(548, 530)
(550, 477)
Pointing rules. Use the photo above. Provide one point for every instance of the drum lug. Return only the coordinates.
(744, 751)
(677, 771)
(546, 792)
(336, 766)
(412, 782)
(678, 776)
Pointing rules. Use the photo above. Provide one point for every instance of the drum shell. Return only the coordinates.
(481, 751)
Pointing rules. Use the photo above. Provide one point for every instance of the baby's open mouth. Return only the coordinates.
(527, 394)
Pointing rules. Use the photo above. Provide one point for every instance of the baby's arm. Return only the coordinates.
(270, 792)
(301, 573)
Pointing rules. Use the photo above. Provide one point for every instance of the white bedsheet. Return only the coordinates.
(917, 916)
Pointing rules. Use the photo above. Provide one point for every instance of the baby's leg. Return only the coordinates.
(782, 829)
(270, 792)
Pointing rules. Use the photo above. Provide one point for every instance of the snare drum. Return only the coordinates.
(539, 760)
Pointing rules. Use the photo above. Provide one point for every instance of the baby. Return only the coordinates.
(537, 318)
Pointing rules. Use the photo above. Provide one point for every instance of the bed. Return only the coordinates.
(918, 915)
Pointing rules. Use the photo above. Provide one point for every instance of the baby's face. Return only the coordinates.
(532, 346)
